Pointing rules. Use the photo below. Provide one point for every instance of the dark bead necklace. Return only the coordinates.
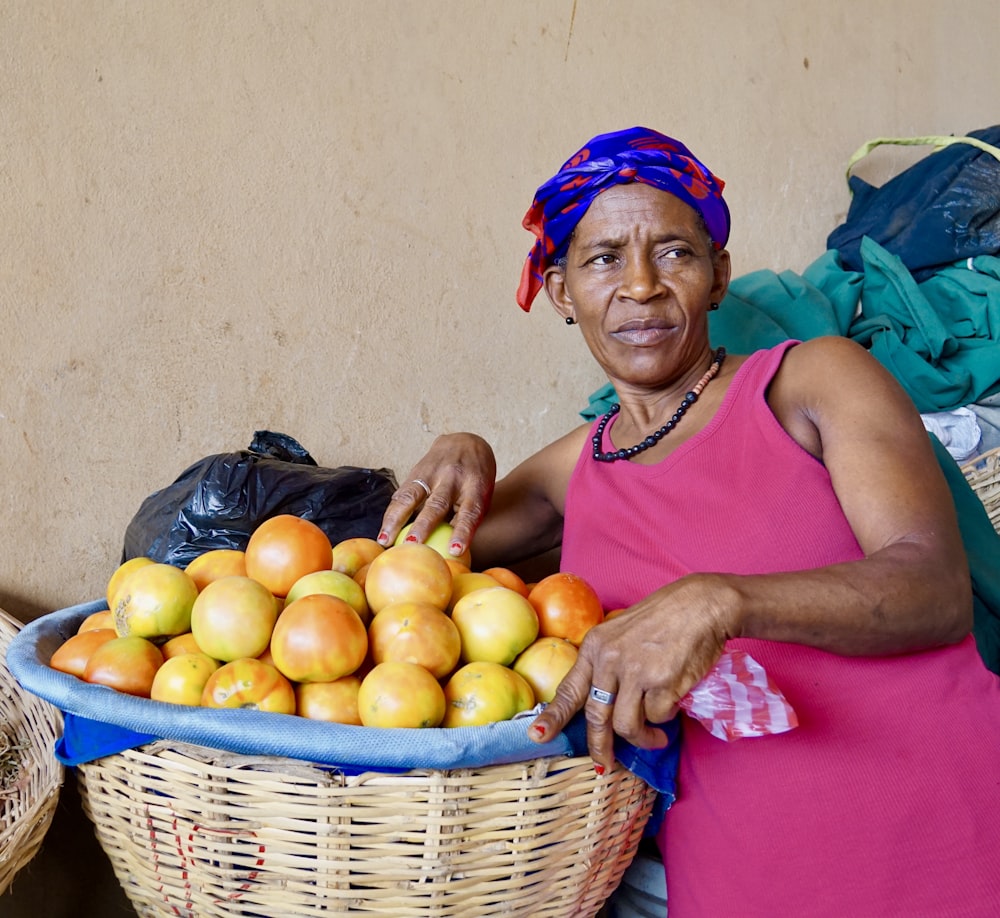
(656, 435)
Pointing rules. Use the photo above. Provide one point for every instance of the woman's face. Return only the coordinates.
(639, 276)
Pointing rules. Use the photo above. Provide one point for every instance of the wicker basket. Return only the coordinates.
(30, 727)
(198, 833)
(983, 475)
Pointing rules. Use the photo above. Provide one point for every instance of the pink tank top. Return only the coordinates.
(885, 800)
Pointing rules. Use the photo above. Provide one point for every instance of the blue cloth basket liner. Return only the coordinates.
(99, 721)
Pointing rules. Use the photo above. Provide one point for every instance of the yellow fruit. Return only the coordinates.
(154, 601)
(122, 571)
(483, 693)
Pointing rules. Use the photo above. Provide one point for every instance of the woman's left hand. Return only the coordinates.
(648, 657)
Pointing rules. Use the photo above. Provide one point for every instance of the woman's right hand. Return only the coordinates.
(454, 482)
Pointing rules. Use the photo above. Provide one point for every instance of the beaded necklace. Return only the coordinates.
(656, 435)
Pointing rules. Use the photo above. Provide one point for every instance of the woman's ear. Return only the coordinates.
(722, 265)
(555, 290)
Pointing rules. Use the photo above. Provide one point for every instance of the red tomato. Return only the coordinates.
(411, 571)
(232, 618)
(128, 664)
(216, 564)
(249, 684)
(416, 632)
(318, 638)
(102, 619)
(506, 577)
(71, 656)
(567, 607)
(284, 548)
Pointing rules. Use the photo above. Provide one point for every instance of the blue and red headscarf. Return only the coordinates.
(634, 155)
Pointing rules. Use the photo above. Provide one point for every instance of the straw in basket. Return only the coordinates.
(30, 776)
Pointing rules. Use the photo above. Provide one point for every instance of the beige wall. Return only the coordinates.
(305, 216)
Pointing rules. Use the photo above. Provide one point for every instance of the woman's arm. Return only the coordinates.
(910, 591)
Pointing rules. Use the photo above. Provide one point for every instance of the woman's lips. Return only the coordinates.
(643, 332)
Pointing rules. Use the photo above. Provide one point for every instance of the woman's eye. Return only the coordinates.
(675, 252)
(605, 258)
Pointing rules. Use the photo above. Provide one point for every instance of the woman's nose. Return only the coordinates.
(640, 280)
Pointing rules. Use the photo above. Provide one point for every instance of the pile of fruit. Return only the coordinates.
(353, 633)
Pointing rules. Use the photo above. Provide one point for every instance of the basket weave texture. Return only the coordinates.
(198, 833)
(31, 725)
(983, 475)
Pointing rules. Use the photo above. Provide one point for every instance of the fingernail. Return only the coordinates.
(383, 537)
(599, 769)
(538, 730)
(457, 548)
(411, 538)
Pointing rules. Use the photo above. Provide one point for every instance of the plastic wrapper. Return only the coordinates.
(737, 698)
(218, 501)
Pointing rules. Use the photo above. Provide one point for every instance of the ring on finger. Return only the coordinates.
(601, 696)
(424, 485)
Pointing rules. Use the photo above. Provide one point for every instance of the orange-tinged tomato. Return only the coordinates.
(567, 606)
(361, 575)
(496, 624)
(183, 643)
(181, 679)
(127, 664)
(396, 694)
(154, 601)
(71, 656)
(335, 701)
(483, 693)
(415, 632)
(102, 619)
(249, 684)
(216, 564)
(284, 548)
(120, 573)
(506, 577)
(350, 555)
(318, 638)
(335, 583)
(544, 665)
(466, 583)
(411, 571)
(440, 540)
(233, 617)
(457, 567)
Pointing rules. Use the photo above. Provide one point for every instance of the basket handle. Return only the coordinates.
(938, 141)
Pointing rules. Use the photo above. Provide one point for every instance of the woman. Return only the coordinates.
(787, 503)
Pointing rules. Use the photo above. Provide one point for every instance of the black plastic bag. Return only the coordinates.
(943, 209)
(220, 500)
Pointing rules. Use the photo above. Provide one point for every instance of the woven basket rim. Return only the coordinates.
(26, 813)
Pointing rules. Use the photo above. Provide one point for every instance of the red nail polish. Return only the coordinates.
(599, 769)
(457, 547)
(383, 537)
(539, 730)
(411, 538)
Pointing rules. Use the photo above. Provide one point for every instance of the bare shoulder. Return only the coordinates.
(831, 387)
